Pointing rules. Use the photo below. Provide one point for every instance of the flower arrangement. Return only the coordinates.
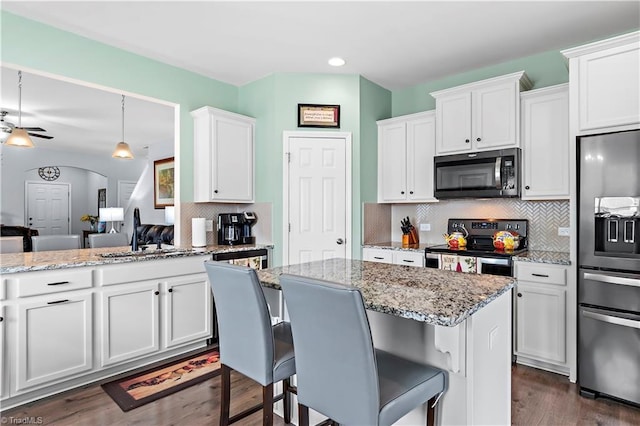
(89, 218)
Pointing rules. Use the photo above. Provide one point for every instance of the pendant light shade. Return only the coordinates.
(19, 136)
(122, 150)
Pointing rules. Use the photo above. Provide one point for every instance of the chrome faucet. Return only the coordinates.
(136, 223)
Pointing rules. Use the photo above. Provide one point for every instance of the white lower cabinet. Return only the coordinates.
(60, 329)
(541, 310)
(3, 368)
(187, 310)
(130, 321)
(55, 338)
(397, 257)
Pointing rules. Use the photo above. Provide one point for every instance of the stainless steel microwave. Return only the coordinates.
(486, 174)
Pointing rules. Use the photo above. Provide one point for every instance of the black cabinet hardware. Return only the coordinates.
(57, 301)
(59, 283)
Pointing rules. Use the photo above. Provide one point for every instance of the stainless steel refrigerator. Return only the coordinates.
(609, 265)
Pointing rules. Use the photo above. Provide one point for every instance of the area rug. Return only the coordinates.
(143, 387)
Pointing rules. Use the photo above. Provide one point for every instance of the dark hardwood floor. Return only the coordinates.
(539, 398)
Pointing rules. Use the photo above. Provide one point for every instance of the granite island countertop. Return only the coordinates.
(62, 259)
(428, 295)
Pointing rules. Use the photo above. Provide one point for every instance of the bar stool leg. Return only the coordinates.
(225, 394)
(431, 411)
(267, 405)
(303, 415)
(286, 391)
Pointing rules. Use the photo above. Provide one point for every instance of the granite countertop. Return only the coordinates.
(63, 259)
(423, 294)
(535, 256)
(397, 246)
(539, 256)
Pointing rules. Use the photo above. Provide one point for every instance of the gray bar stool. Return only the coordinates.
(108, 240)
(248, 342)
(339, 372)
(55, 242)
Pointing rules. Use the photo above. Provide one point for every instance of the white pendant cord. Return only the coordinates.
(20, 99)
(122, 118)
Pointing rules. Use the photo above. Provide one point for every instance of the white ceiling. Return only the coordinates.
(394, 44)
(82, 118)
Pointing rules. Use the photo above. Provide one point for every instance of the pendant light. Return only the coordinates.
(122, 150)
(19, 136)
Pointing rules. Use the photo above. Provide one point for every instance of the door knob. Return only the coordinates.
(339, 241)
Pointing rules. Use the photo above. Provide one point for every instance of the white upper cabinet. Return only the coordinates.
(480, 116)
(605, 83)
(545, 143)
(406, 147)
(223, 156)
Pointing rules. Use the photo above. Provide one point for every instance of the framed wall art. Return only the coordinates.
(163, 183)
(315, 115)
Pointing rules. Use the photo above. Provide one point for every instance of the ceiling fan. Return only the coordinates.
(7, 127)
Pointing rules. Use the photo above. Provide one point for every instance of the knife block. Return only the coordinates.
(411, 239)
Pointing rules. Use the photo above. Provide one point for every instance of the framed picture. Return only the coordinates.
(313, 115)
(163, 189)
(102, 198)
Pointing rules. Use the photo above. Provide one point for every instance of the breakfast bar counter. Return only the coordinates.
(455, 321)
(428, 295)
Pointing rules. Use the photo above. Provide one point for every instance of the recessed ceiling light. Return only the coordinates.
(336, 62)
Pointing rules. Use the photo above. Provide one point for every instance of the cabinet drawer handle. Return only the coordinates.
(377, 257)
(57, 301)
(540, 275)
(59, 283)
(408, 261)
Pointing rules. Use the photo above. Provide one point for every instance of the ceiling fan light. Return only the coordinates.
(122, 151)
(19, 137)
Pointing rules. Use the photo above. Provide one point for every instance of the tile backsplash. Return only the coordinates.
(544, 219)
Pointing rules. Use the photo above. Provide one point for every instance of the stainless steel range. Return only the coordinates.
(479, 254)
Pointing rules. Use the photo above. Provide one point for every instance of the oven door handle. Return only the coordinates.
(610, 279)
(494, 261)
(611, 319)
(498, 170)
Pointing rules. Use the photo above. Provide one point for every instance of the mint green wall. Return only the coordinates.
(543, 69)
(375, 104)
(274, 101)
(41, 47)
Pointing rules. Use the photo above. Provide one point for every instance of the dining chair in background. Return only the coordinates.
(55, 242)
(339, 373)
(248, 342)
(107, 240)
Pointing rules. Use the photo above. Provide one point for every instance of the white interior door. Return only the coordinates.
(48, 207)
(317, 196)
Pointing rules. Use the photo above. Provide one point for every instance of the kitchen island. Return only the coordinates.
(458, 322)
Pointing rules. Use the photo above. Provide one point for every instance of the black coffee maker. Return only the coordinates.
(235, 228)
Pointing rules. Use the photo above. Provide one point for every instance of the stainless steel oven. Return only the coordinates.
(486, 174)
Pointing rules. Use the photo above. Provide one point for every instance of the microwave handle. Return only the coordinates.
(498, 171)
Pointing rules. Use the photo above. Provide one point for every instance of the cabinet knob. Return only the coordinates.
(466, 140)
(410, 192)
(519, 294)
(156, 293)
(170, 290)
(215, 191)
(402, 192)
(1, 319)
(479, 139)
(527, 187)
